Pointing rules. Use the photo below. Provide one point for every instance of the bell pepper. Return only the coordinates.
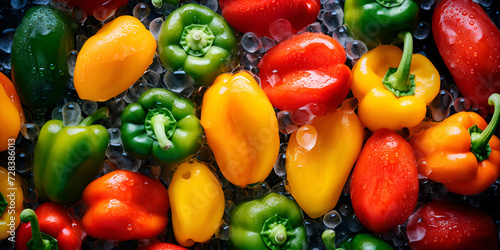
(317, 176)
(241, 128)
(459, 154)
(197, 202)
(362, 241)
(468, 42)
(384, 183)
(199, 41)
(305, 69)
(124, 205)
(442, 224)
(100, 9)
(389, 97)
(272, 222)
(11, 114)
(39, 49)
(67, 158)
(113, 59)
(163, 125)
(49, 227)
(256, 16)
(161, 246)
(379, 21)
(11, 203)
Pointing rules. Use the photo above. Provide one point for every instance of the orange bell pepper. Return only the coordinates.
(241, 128)
(12, 191)
(459, 154)
(124, 205)
(11, 113)
(112, 60)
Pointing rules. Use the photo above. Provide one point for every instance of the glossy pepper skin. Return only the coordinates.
(39, 66)
(161, 246)
(378, 22)
(306, 69)
(197, 202)
(271, 222)
(11, 191)
(67, 158)
(113, 59)
(197, 40)
(11, 113)
(100, 9)
(468, 42)
(162, 125)
(451, 226)
(317, 176)
(390, 98)
(124, 205)
(459, 154)
(384, 185)
(255, 16)
(241, 128)
(54, 221)
(365, 241)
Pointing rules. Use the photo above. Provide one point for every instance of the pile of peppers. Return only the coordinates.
(329, 130)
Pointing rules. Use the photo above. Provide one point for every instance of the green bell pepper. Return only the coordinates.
(68, 158)
(378, 22)
(362, 241)
(163, 125)
(274, 222)
(39, 50)
(197, 40)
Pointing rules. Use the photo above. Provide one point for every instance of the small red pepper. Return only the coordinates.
(256, 16)
(469, 43)
(54, 221)
(100, 9)
(306, 69)
(161, 246)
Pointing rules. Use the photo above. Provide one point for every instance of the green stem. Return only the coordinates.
(390, 3)
(39, 243)
(3, 204)
(479, 141)
(328, 238)
(278, 235)
(99, 114)
(158, 122)
(196, 39)
(400, 82)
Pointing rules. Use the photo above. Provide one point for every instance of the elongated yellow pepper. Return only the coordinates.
(393, 101)
(317, 176)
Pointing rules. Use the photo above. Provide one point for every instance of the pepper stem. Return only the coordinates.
(479, 139)
(158, 122)
(196, 39)
(399, 81)
(328, 238)
(100, 114)
(3, 204)
(278, 235)
(37, 241)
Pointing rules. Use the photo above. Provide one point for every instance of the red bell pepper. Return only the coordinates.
(306, 69)
(469, 43)
(256, 16)
(124, 205)
(384, 185)
(161, 246)
(445, 225)
(100, 9)
(53, 220)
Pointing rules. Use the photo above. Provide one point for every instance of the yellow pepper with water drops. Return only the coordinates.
(241, 128)
(320, 157)
(390, 96)
(12, 203)
(197, 203)
(112, 60)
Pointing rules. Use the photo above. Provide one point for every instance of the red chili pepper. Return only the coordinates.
(384, 186)
(445, 225)
(256, 16)
(469, 43)
(162, 246)
(54, 221)
(100, 9)
(305, 69)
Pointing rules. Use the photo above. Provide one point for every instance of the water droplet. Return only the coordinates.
(250, 42)
(422, 31)
(333, 19)
(356, 49)
(332, 219)
(155, 26)
(18, 4)
(141, 11)
(281, 29)
(30, 131)
(71, 114)
(307, 137)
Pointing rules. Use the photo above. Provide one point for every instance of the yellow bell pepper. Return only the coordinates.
(11, 113)
(241, 128)
(112, 60)
(197, 203)
(389, 98)
(12, 191)
(317, 176)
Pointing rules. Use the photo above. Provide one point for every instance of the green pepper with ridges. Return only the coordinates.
(39, 51)
(197, 40)
(68, 158)
(274, 222)
(162, 125)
